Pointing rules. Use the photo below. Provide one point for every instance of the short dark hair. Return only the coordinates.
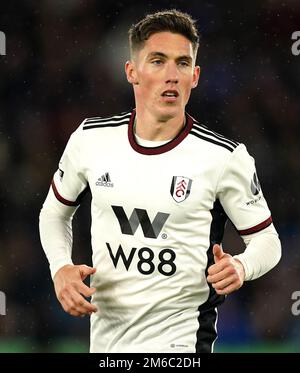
(167, 20)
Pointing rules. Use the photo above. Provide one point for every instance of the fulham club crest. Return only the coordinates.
(180, 188)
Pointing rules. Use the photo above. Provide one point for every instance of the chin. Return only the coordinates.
(169, 113)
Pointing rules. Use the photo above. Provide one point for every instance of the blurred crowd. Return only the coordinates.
(64, 62)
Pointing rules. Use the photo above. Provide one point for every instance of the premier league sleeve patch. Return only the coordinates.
(255, 185)
(180, 188)
(61, 174)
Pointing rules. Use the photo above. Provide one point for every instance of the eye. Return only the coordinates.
(156, 62)
(183, 63)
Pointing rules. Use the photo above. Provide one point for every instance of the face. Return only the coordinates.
(163, 73)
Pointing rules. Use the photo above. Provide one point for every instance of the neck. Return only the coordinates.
(150, 128)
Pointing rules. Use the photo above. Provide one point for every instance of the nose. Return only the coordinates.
(172, 73)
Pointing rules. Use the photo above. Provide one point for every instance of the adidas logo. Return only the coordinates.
(105, 181)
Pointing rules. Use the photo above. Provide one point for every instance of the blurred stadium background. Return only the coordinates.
(64, 62)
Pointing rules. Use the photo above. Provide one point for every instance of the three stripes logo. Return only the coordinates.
(105, 181)
(114, 121)
(140, 217)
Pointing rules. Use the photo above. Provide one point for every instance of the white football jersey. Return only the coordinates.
(156, 213)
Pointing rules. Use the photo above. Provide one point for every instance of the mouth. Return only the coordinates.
(170, 95)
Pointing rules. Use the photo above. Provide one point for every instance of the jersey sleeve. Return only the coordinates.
(240, 194)
(69, 183)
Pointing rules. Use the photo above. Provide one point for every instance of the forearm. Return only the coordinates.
(262, 253)
(56, 232)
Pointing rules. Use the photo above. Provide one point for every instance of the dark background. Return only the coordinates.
(64, 62)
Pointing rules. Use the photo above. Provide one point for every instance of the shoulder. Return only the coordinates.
(112, 121)
(89, 131)
(213, 140)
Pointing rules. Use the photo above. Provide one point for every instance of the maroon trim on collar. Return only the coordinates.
(162, 148)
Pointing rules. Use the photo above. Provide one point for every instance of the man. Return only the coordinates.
(162, 187)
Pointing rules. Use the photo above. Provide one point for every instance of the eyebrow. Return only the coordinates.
(160, 54)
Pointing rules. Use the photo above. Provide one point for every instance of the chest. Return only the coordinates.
(176, 181)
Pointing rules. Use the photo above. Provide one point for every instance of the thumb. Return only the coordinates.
(86, 271)
(218, 252)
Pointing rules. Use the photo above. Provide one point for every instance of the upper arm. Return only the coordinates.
(240, 194)
(69, 181)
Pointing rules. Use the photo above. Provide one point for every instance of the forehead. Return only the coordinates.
(168, 43)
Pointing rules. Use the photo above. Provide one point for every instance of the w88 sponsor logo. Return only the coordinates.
(151, 229)
(145, 265)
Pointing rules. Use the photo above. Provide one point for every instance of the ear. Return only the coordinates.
(196, 76)
(130, 70)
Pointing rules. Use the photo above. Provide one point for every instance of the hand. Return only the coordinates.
(227, 274)
(71, 290)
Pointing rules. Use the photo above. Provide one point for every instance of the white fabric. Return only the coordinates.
(151, 283)
(56, 232)
(262, 253)
(150, 143)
